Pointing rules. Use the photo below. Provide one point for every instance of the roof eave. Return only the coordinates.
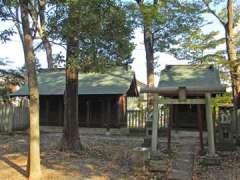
(189, 90)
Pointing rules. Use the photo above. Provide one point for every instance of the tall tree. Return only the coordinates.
(96, 34)
(34, 148)
(148, 44)
(229, 19)
(71, 138)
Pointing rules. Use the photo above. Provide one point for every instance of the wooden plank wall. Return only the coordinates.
(13, 117)
(137, 118)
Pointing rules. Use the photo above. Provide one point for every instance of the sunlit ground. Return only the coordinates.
(104, 157)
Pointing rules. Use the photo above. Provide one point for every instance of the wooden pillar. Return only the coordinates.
(211, 144)
(47, 111)
(170, 119)
(174, 114)
(59, 111)
(102, 113)
(155, 125)
(214, 121)
(88, 113)
(108, 114)
(119, 112)
(200, 126)
(124, 122)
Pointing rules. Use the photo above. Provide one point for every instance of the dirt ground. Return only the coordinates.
(228, 169)
(108, 157)
(104, 157)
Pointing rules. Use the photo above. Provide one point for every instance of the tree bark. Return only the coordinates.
(46, 44)
(34, 148)
(148, 44)
(71, 139)
(232, 56)
(231, 48)
(150, 66)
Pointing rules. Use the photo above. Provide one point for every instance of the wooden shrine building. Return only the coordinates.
(189, 81)
(102, 97)
(188, 91)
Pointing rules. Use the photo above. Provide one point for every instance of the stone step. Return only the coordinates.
(158, 156)
(176, 174)
(185, 164)
(158, 165)
(181, 155)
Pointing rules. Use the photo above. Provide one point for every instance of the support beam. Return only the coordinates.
(200, 126)
(59, 112)
(102, 113)
(124, 110)
(108, 114)
(119, 111)
(170, 120)
(211, 144)
(155, 126)
(47, 112)
(88, 114)
(181, 101)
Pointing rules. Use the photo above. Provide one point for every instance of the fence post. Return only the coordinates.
(10, 119)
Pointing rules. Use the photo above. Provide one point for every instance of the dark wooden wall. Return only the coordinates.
(186, 116)
(108, 111)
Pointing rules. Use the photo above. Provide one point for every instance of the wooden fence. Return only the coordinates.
(13, 117)
(136, 119)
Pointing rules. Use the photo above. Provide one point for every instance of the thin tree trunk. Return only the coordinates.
(34, 148)
(46, 44)
(148, 44)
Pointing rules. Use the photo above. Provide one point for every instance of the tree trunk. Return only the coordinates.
(71, 139)
(46, 44)
(48, 48)
(148, 44)
(232, 55)
(150, 66)
(34, 148)
(231, 48)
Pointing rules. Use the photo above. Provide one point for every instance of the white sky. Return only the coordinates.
(12, 50)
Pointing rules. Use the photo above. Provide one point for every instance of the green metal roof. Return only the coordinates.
(116, 81)
(191, 77)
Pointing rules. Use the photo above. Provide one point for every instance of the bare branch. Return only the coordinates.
(214, 13)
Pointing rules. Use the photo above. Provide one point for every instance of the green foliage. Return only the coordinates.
(6, 34)
(104, 32)
(226, 98)
(200, 48)
(174, 22)
(9, 77)
(170, 22)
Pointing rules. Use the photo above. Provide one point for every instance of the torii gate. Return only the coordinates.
(182, 100)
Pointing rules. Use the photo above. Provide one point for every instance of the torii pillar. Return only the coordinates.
(155, 125)
(210, 129)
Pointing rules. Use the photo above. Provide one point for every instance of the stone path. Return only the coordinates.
(184, 146)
